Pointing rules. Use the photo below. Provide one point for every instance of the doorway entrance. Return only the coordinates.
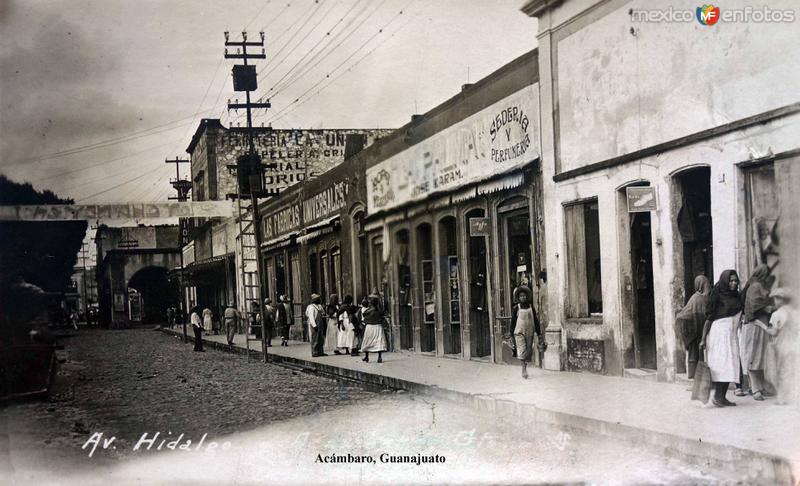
(426, 292)
(448, 279)
(404, 289)
(480, 345)
(644, 298)
(694, 226)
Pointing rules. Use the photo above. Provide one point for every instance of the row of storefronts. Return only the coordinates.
(542, 174)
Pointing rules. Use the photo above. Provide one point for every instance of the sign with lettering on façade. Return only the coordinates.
(310, 210)
(497, 139)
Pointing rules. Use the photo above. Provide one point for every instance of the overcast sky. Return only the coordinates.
(129, 80)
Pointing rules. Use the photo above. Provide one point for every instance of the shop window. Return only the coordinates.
(449, 273)
(295, 275)
(377, 266)
(426, 271)
(584, 290)
(336, 271)
(324, 281)
(313, 274)
(280, 276)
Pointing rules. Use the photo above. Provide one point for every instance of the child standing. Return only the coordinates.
(783, 328)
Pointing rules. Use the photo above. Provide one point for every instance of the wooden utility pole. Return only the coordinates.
(250, 172)
(182, 187)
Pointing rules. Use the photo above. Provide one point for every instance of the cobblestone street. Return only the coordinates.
(277, 422)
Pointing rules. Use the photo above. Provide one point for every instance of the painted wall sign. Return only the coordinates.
(56, 212)
(282, 222)
(495, 140)
(312, 209)
(324, 203)
(642, 199)
(479, 226)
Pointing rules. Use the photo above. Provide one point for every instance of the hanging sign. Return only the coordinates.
(642, 199)
(479, 226)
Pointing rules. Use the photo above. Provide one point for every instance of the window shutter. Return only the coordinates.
(577, 297)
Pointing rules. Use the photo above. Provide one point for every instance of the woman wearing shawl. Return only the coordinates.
(690, 322)
(374, 339)
(753, 339)
(719, 335)
(332, 327)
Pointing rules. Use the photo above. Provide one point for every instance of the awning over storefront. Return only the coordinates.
(278, 242)
(318, 229)
(314, 234)
(506, 182)
(198, 272)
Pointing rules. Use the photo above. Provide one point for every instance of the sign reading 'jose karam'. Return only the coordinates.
(497, 139)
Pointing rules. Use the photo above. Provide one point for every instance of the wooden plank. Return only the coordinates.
(577, 294)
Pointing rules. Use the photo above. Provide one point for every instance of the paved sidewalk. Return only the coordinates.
(760, 437)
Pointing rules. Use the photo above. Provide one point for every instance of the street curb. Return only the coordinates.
(760, 468)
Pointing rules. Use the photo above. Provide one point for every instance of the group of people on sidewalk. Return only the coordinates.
(346, 328)
(741, 334)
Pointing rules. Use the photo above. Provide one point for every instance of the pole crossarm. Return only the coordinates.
(236, 106)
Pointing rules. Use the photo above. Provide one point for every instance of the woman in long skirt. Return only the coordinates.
(719, 335)
(753, 339)
(690, 322)
(346, 320)
(374, 339)
(332, 325)
(207, 320)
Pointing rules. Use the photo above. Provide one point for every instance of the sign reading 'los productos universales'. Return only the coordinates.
(495, 140)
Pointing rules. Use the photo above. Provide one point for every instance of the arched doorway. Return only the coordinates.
(154, 292)
(476, 276)
(639, 313)
(448, 280)
(403, 262)
(426, 291)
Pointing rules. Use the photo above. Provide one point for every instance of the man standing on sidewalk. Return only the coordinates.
(315, 316)
(197, 327)
(231, 318)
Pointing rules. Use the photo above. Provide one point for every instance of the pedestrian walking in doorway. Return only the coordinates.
(525, 323)
(753, 338)
(346, 325)
(719, 335)
(231, 318)
(690, 322)
(171, 316)
(269, 320)
(315, 317)
(208, 323)
(332, 325)
(374, 337)
(282, 320)
(197, 327)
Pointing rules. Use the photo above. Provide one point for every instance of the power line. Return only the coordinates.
(79, 169)
(321, 39)
(116, 186)
(260, 11)
(322, 17)
(311, 64)
(109, 142)
(327, 76)
(299, 29)
(205, 95)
